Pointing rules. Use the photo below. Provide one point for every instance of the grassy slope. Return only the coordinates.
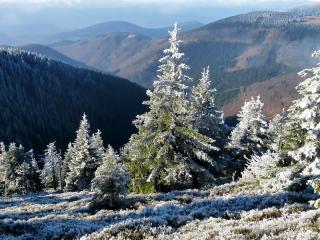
(233, 211)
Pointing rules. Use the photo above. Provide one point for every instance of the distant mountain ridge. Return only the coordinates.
(241, 50)
(312, 9)
(47, 99)
(84, 33)
(116, 27)
(114, 50)
(265, 18)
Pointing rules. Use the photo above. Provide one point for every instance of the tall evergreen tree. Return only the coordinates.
(168, 152)
(52, 173)
(249, 136)
(79, 176)
(83, 157)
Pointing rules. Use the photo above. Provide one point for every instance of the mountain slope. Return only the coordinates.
(47, 99)
(241, 50)
(52, 54)
(276, 94)
(116, 26)
(114, 50)
(49, 53)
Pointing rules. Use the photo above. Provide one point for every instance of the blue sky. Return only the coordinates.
(37, 16)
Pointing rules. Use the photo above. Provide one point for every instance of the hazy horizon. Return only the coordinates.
(32, 17)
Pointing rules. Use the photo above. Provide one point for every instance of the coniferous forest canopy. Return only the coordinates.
(43, 100)
(86, 155)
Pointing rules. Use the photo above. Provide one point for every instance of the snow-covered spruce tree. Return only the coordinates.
(81, 163)
(28, 172)
(67, 158)
(305, 112)
(298, 150)
(52, 173)
(249, 136)
(168, 152)
(111, 178)
(260, 167)
(269, 171)
(208, 120)
(205, 115)
(97, 149)
(302, 132)
(22, 173)
(275, 131)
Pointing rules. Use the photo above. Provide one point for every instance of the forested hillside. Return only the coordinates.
(43, 100)
(49, 53)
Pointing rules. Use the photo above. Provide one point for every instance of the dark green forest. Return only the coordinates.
(42, 100)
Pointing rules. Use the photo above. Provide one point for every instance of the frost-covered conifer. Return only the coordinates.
(2, 161)
(275, 132)
(250, 133)
(299, 136)
(2, 168)
(21, 173)
(302, 130)
(52, 173)
(305, 116)
(111, 178)
(205, 115)
(27, 172)
(270, 171)
(168, 152)
(81, 165)
(264, 166)
(67, 158)
(97, 148)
